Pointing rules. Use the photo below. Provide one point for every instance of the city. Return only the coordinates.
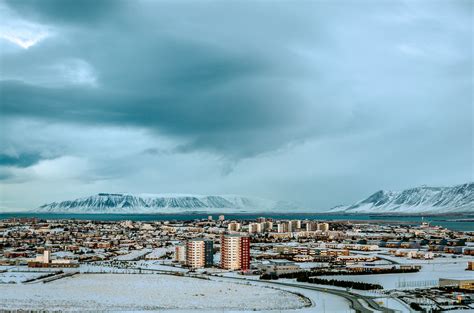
(237, 156)
(356, 266)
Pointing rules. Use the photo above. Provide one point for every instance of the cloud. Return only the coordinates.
(22, 160)
(55, 11)
(19, 31)
(245, 97)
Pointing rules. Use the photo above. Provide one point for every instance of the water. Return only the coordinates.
(460, 223)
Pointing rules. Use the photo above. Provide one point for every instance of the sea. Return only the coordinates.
(452, 222)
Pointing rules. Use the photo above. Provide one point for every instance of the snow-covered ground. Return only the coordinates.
(321, 301)
(431, 271)
(18, 277)
(92, 292)
(393, 304)
(444, 258)
(158, 253)
(161, 266)
(132, 255)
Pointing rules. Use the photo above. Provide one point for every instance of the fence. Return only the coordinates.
(418, 283)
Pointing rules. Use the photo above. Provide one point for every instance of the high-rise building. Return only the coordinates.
(267, 226)
(235, 252)
(284, 227)
(311, 226)
(180, 254)
(233, 226)
(244, 253)
(295, 224)
(324, 227)
(221, 218)
(208, 253)
(199, 253)
(255, 228)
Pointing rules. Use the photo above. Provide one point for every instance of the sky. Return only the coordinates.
(317, 102)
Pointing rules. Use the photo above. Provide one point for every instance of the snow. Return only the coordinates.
(150, 292)
(429, 274)
(166, 203)
(160, 266)
(18, 277)
(321, 301)
(158, 253)
(133, 255)
(422, 199)
(393, 304)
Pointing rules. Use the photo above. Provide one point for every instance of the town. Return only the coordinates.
(371, 266)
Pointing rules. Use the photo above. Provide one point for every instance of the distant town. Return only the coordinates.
(367, 266)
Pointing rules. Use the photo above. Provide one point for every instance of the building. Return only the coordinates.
(279, 267)
(208, 253)
(467, 284)
(233, 226)
(235, 252)
(45, 260)
(244, 253)
(324, 227)
(311, 226)
(255, 228)
(221, 218)
(180, 254)
(284, 227)
(267, 226)
(199, 253)
(295, 224)
(470, 266)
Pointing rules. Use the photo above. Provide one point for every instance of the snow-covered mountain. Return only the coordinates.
(149, 203)
(430, 200)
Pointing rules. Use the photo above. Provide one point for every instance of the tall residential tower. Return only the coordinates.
(235, 252)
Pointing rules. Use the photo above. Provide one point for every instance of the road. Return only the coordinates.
(353, 298)
(357, 301)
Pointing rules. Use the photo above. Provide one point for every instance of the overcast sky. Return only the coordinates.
(319, 102)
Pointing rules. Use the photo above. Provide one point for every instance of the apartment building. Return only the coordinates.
(234, 226)
(324, 227)
(284, 227)
(235, 252)
(255, 228)
(180, 254)
(199, 253)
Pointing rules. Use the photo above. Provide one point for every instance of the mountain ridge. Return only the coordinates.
(163, 203)
(416, 200)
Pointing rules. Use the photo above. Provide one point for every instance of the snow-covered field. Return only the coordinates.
(430, 271)
(158, 253)
(18, 277)
(133, 255)
(93, 292)
(321, 301)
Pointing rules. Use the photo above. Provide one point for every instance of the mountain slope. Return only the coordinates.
(148, 203)
(432, 200)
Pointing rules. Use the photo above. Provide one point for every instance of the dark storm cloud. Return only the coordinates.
(221, 82)
(83, 11)
(339, 95)
(22, 160)
(214, 97)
